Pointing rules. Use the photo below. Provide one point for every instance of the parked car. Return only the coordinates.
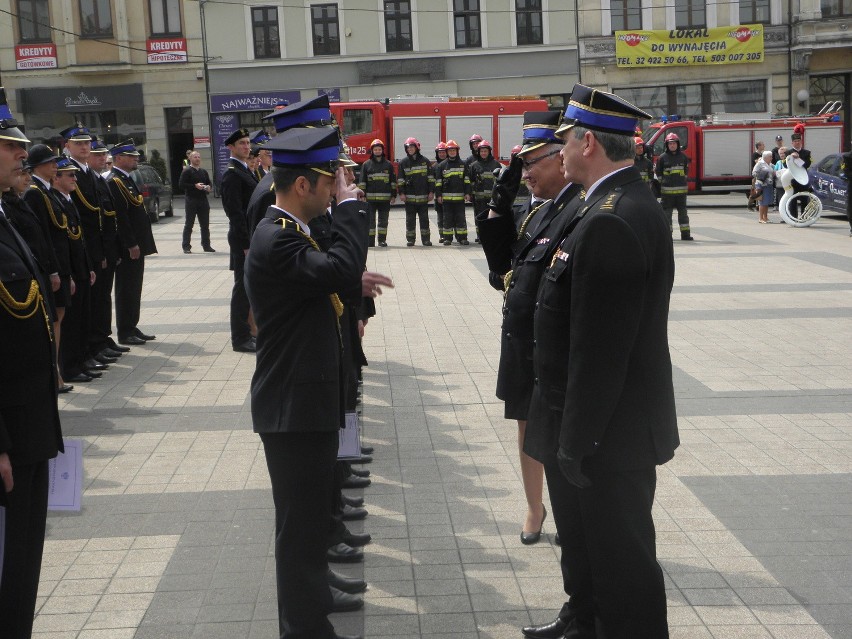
(829, 183)
(156, 192)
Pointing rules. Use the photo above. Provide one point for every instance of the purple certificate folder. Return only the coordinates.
(65, 481)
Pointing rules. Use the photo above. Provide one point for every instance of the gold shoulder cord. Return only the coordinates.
(131, 199)
(60, 225)
(85, 202)
(335, 298)
(507, 278)
(75, 236)
(19, 310)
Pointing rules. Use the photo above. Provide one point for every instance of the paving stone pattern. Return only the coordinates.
(753, 515)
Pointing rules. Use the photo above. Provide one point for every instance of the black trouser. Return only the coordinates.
(26, 517)
(439, 216)
(101, 324)
(415, 211)
(301, 469)
(240, 330)
(74, 346)
(454, 220)
(200, 208)
(677, 201)
(382, 211)
(608, 549)
(129, 275)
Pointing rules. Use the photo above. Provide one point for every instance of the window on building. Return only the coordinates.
(165, 17)
(690, 14)
(737, 97)
(95, 19)
(626, 14)
(33, 21)
(528, 18)
(754, 11)
(398, 25)
(836, 8)
(264, 28)
(695, 101)
(467, 24)
(326, 30)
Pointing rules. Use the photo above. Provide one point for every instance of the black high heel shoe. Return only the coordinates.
(533, 537)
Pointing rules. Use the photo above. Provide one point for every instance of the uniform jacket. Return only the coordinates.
(45, 204)
(238, 184)
(81, 261)
(377, 180)
(297, 385)
(29, 418)
(452, 180)
(526, 256)
(34, 231)
(109, 222)
(261, 199)
(603, 388)
(88, 204)
(416, 180)
(645, 167)
(134, 225)
(671, 171)
(482, 177)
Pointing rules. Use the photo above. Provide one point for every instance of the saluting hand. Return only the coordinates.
(345, 191)
(572, 470)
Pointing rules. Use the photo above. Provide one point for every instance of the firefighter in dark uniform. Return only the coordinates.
(416, 187)
(440, 156)
(452, 190)
(517, 255)
(473, 143)
(30, 433)
(482, 176)
(846, 171)
(602, 415)
(137, 241)
(101, 343)
(642, 162)
(378, 182)
(671, 171)
(296, 391)
(238, 184)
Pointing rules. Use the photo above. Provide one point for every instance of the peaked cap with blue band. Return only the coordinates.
(600, 111)
(76, 133)
(540, 129)
(97, 145)
(8, 125)
(259, 137)
(128, 147)
(311, 112)
(65, 164)
(315, 148)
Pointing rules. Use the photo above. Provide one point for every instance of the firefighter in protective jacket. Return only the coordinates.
(671, 172)
(416, 187)
(378, 182)
(452, 189)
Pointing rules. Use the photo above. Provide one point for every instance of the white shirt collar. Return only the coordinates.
(305, 229)
(597, 184)
(122, 171)
(245, 164)
(45, 182)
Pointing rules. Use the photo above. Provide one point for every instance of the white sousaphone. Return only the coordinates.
(788, 206)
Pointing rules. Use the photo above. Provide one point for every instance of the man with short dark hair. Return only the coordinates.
(297, 405)
(195, 182)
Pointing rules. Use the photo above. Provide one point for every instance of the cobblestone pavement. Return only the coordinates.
(754, 514)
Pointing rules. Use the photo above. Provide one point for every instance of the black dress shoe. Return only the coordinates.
(80, 378)
(131, 340)
(557, 540)
(553, 630)
(92, 374)
(94, 365)
(346, 584)
(141, 335)
(108, 352)
(344, 602)
(360, 472)
(356, 482)
(353, 514)
(65, 388)
(363, 459)
(247, 346)
(115, 347)
(209, 249)
(534, 537)
(366, 450)
(356, 539)
(352, 501)
(344, 554)
(103, 359)
(187, 251)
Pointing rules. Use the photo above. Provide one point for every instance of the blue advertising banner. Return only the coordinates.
(259, 101)
(223, 125)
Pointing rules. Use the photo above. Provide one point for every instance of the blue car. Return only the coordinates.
(829, 183)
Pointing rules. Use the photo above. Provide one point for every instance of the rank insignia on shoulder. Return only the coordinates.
(542, 240)
(609, 203)
(561, 255)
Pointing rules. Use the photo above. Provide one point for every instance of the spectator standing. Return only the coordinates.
(764, 180)
(196, 184)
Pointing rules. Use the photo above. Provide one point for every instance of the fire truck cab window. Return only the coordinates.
(660, 143)
(357, 121)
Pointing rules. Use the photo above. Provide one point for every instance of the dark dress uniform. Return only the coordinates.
(603, 394)
(524, 252)
(134, 229)
(238, 183)
(30, 432)
(261, 199)
(297, 403)
(101, 333)
(43, 201)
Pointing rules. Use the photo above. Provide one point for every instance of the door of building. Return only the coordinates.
(180, 140)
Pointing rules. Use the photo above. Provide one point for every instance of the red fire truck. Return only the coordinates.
(498, 120)
(720, 149)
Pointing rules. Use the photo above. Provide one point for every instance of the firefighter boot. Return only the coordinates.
(410, 237)
(424, 237)
(685, 234)
(372, 241)
(383, 239)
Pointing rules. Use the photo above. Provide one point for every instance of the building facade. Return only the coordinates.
(124, 68)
